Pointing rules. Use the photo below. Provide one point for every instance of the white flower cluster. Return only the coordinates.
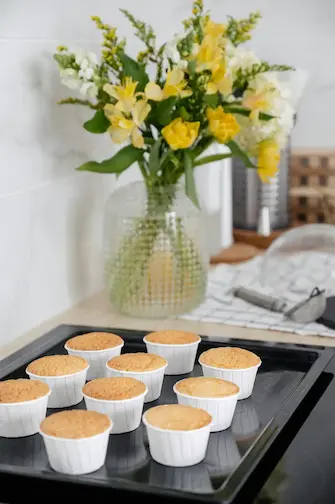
(171, 52)
(279, 106)
(238, 58)
(85, 78)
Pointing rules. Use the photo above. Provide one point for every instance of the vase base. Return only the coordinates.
(236, 253)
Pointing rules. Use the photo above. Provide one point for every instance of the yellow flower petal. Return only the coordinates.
(222, 126)
(137, 139)
(109, 110)
(268, 160)
(180, 134)
(119, 135)
(214, 29)
(211, 88)
(111, 90)
(174, 77)
(140, 111)
(153, 92)
(186, 93)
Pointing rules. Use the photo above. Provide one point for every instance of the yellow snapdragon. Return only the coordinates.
(125, 94)
(175, 85)
(268, 160)
(222, 126)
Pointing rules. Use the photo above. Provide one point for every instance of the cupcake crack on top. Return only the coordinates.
(229, 358)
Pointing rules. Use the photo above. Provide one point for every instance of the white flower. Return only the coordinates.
(89, 90)
(69, 77)
(171, 49)
(239, 58)
(86, 73)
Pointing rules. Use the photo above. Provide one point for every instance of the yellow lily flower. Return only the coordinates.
(268, 160)
(122, 128)
(180, 134)
(223, 126)
(220, 81)
(175, 85)
(125, 94)
(209, 55)
(214, 29)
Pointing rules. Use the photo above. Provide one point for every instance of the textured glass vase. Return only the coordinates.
(155, 251)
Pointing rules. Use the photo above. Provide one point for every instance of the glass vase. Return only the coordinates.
(155, 251)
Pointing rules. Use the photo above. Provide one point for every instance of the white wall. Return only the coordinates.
(50, 216)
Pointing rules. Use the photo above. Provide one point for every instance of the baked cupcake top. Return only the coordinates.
(57, 365)
(20, 390)
(202, 386)
(229, 358)
(94, 341)
(172, 337)
(177, 417)
(75, 424)
(114, 388)
(137, 362)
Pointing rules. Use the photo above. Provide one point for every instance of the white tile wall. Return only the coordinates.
(50, 216)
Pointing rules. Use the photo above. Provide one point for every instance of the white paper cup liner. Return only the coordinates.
(77, 456)
(243, 378)
(66, 390)
(180, 358)
(22, 418)
(220, 408)
(177, 448)
(97, 359)
(152, 379)
(125, 414)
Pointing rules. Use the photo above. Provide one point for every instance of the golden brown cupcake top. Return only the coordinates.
(94, 341)
(172, 337)
(202, 386)
(229, 358)
(137, 362)
(114, 389)
(75, 424)
(57, 365)
(177, 417)
(20, 390)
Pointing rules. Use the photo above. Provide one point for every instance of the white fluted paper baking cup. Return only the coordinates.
(66, 390)
(177, 448)
(152, 379)
(220, 408)
(97, 359)
(125, 413)
(180, 358)
(21, 419)
(243, 378)
(77, 456)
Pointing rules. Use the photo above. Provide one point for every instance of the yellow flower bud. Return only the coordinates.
(268, 160)
(180, 134)
(223, 126)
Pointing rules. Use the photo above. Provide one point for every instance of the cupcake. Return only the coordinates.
(65, 375)
(145, 367)
(121, 398)
(23, 405)
(218, 397)
(179, 348)
(233, 364)
(76, 441)
(97, 348)
(177, 434)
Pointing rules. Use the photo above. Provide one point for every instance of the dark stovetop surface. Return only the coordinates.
(306, 473)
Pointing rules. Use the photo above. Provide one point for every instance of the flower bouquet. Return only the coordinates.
(168, 106)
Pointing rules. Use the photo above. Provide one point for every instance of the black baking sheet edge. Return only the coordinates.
(234, 482)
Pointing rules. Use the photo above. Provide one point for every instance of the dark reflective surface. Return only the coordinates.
(128, 457)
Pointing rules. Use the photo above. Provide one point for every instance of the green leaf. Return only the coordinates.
(98, 124)
(164, 110)
(211, 159)
(134, 70)
(190, 188)
(184, 114)
(238, 152)
(153, 163)
(116, 164)
(233, 109)
(211, 100)
(191, 67)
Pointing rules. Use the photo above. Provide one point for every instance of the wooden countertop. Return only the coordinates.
(97, 311)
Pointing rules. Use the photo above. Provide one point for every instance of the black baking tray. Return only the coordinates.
(262, 428)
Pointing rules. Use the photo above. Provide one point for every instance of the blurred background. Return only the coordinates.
(50, 215)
